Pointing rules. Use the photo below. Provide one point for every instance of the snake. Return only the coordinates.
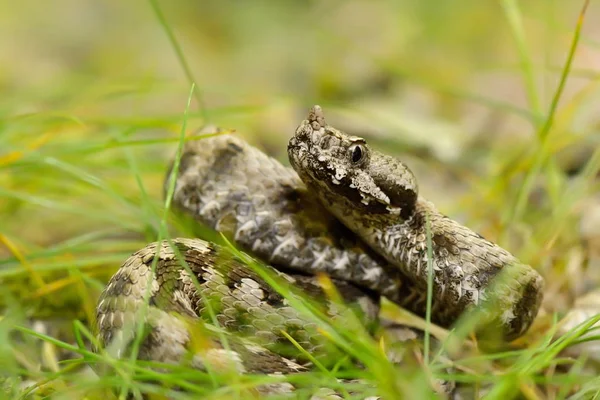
(342, 210)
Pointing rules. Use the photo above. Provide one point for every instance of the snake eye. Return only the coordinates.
(357, 153)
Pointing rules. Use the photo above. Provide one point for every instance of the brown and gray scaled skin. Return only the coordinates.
(376, 196)
(266, 209)
(378, 248)
(242, 301)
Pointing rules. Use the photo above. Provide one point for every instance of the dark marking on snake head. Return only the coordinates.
(403, 199)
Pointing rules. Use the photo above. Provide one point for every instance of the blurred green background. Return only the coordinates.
(448, 80)
(93, 97)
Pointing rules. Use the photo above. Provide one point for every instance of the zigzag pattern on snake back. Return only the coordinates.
(347, 211)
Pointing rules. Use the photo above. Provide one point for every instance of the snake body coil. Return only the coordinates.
(347, 211)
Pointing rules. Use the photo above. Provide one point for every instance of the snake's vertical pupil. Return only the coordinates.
(357, 154)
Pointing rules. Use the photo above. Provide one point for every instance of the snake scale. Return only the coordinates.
(343, 209)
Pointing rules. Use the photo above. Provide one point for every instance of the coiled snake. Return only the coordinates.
(345, 210)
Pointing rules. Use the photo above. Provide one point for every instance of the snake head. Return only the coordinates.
(341, 166)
